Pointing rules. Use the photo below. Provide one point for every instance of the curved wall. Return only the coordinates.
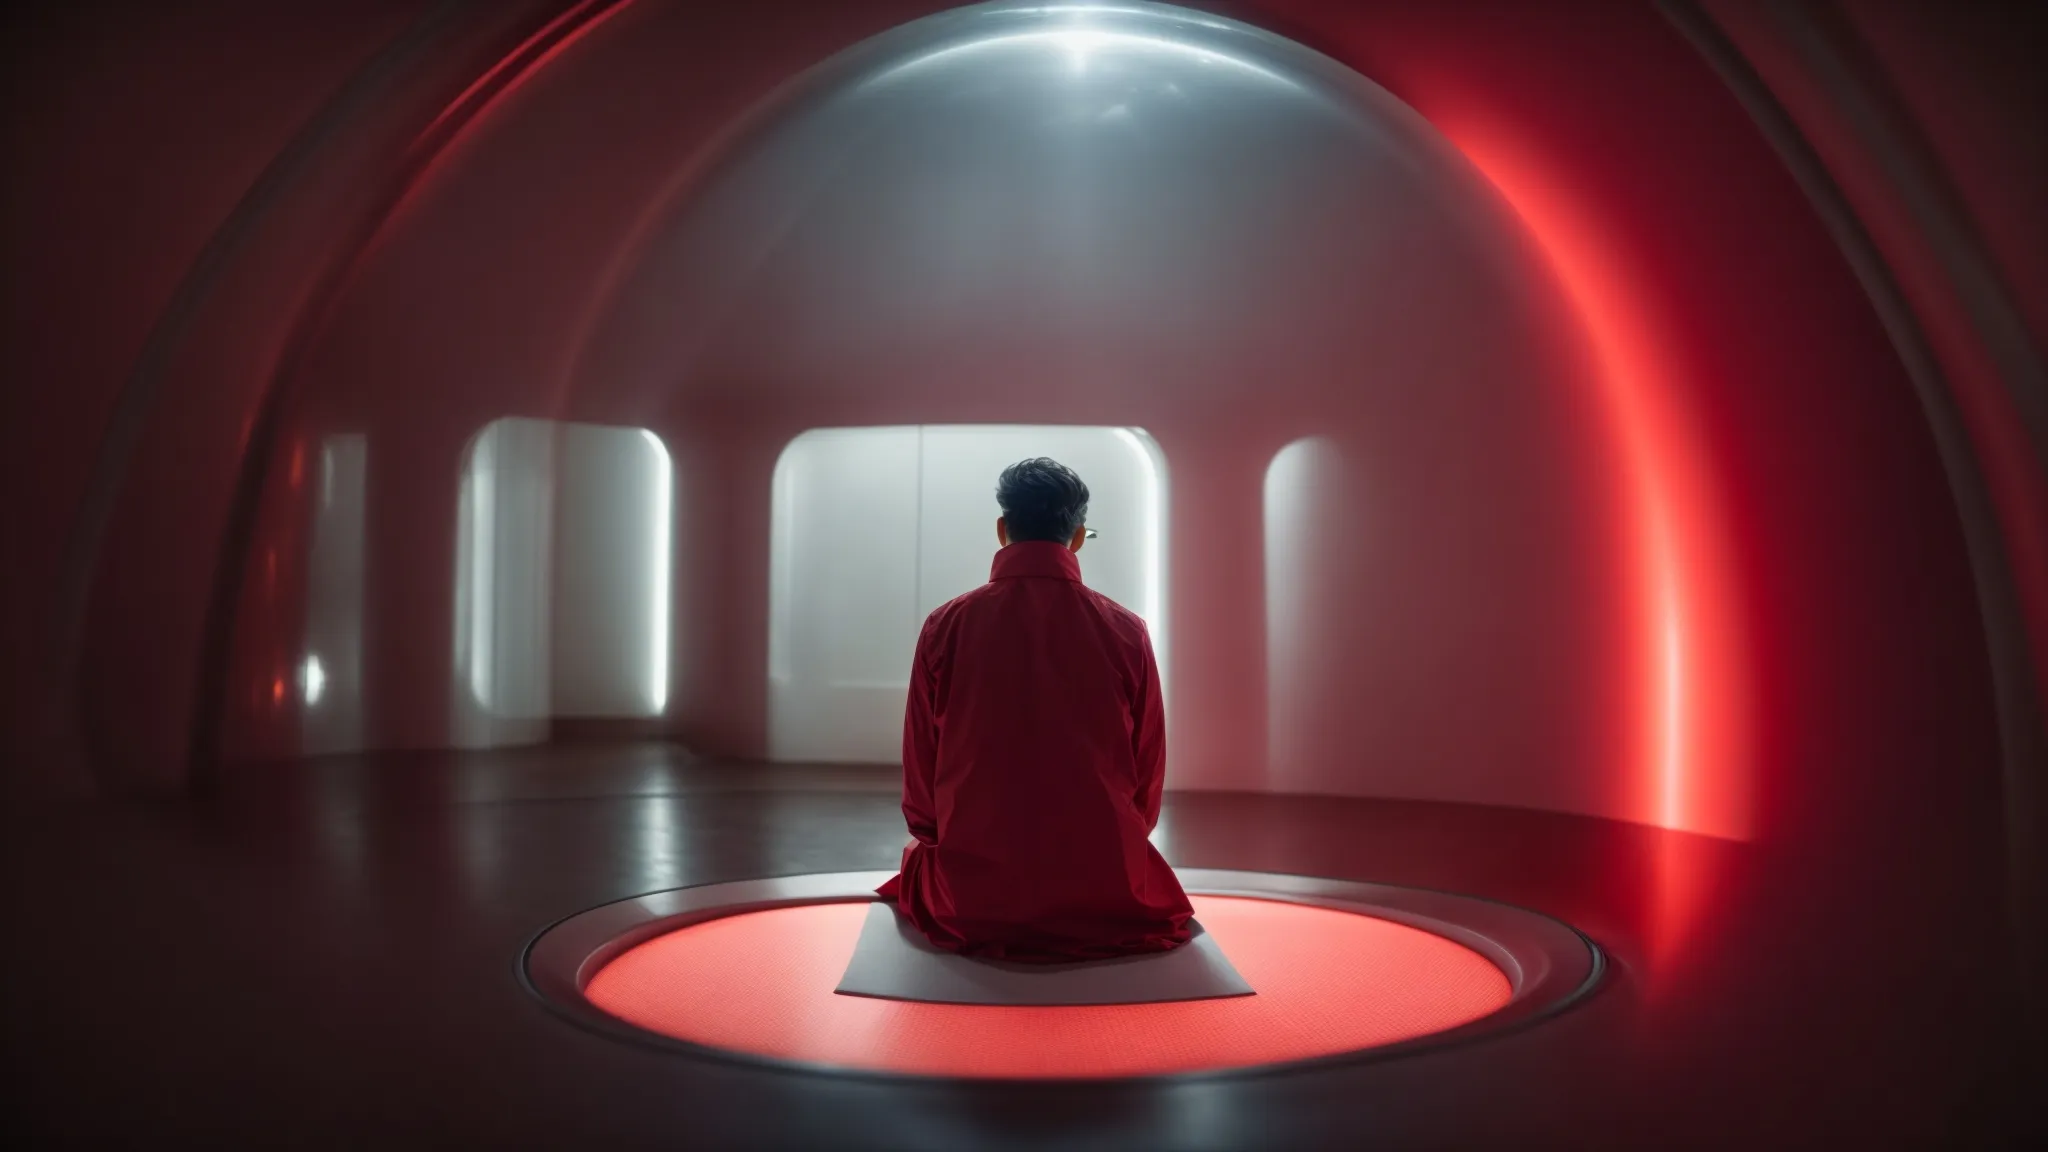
(1169, 221)
(479, 296)
(1324, 267)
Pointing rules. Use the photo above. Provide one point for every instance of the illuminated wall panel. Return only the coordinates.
(1301, 526)
(331, 672)
(562, 584)
(875, 527)
(610, 646)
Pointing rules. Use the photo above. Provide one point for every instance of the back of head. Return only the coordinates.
(1042, 499)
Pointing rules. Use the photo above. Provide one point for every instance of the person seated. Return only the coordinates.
(1034, 754)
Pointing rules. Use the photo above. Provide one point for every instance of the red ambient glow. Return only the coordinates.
(1689, 741)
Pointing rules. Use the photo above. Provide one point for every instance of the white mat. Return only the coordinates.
(894, 961)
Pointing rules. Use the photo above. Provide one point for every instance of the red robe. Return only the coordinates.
(1034, 753)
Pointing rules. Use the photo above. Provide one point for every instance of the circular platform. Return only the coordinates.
(1340, 969)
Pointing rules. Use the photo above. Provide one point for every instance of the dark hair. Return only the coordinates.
(1042, 500)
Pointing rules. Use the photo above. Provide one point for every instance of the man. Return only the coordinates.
(1034, 753)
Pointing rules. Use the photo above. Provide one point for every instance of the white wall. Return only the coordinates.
(1303, 517)
(610, 644)
(331, 672)
(562, 581)
(875, 527)
(502, 560)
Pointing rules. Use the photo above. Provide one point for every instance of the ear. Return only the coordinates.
(1080, 538)
(1002, 533)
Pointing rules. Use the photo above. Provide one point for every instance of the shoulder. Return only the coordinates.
(950, 612)
(1126, 624)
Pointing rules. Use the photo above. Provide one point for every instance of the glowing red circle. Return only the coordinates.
(1327, 982)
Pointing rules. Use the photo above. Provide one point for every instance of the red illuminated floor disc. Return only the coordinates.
(1326, 982)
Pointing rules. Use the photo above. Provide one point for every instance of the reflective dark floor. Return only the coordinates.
(323, 954)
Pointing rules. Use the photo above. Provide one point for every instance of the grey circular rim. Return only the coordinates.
(1550, 965)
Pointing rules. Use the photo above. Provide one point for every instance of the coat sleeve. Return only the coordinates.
(921, 742)
(1148, 737)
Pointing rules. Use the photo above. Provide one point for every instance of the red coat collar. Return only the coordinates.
(1036, 558)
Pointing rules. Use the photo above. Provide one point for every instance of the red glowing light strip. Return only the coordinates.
(522, 59)
(1691, 739)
